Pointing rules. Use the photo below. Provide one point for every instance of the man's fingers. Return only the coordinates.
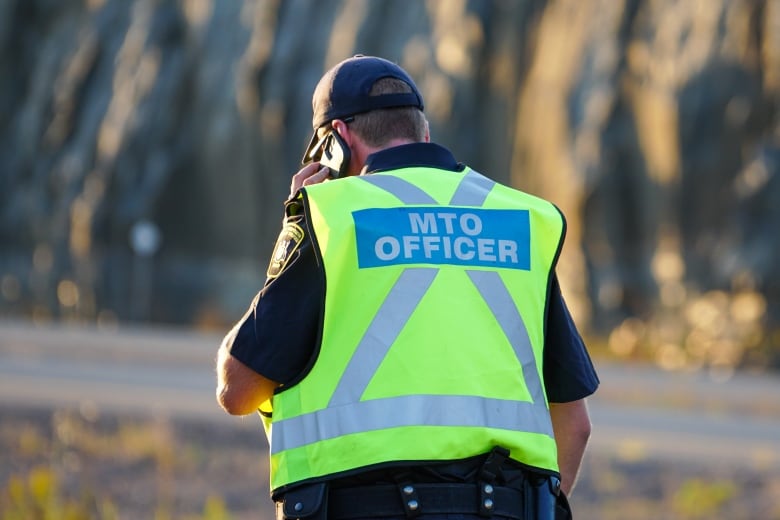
(318, 177)
(306, 172)
(312, 173)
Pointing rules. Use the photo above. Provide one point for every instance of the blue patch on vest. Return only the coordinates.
(498, 238)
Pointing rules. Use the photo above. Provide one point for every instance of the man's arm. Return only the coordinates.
(277, 317)
(571, 425)
(240, 390)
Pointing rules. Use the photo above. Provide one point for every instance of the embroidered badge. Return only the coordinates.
(289, 240)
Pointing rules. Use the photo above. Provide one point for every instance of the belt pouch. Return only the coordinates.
(304, 503)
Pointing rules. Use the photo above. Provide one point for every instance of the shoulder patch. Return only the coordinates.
(289, 240)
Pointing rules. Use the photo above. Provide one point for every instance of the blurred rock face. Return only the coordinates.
(147, 147)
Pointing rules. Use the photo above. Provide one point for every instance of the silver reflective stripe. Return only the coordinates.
(406, 192)
(472, 190)
(410, 410)
(388, 322)
(496, 295)
(346, 414)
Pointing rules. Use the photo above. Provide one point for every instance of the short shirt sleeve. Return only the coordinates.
(569, 374)
(278, 335)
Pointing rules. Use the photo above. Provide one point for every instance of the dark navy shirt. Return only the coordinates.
(279, 335)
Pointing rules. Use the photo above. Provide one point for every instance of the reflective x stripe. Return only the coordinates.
(497, 297)
(347, 414)
(404, 191)
(388, 322)
(472, 190)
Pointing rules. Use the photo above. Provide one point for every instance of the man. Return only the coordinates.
(410, 353)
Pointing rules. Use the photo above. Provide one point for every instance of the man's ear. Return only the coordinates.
(342, 129)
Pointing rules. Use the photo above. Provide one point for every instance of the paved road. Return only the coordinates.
(638, 413)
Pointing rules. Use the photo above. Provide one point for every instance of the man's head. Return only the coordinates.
(371, 103)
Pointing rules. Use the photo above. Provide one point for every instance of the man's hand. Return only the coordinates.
(310, 174)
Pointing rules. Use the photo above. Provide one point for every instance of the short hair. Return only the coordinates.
(378, 127)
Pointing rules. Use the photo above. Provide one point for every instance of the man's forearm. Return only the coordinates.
(572, 427)
(240, 390)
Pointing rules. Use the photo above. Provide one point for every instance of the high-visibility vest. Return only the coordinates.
(436, 285)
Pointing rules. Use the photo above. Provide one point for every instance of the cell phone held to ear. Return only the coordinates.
(330, 151)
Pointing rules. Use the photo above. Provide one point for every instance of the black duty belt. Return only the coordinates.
(415, 499)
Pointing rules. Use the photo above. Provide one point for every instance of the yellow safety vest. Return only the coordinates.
(436, 285)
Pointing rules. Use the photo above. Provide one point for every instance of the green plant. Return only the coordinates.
(38, 496)
(698, 498)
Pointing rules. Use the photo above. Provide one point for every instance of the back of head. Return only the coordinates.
(377, 97)
(385, 124)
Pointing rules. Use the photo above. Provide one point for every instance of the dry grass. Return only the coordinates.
(614, 486)
(79, 464)
(71, 464)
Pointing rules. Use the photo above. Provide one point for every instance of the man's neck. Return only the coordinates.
(365, 150)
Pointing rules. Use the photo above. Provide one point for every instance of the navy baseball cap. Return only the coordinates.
(344, 91)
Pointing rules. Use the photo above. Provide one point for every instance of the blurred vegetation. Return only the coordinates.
(40, 496)
(81, 466)
(699, 498)
(75, 465)
(717, 330)
(146, 148)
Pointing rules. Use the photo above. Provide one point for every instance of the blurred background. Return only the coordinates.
(146, 148)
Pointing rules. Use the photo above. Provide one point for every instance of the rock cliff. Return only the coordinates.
(146, 148)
